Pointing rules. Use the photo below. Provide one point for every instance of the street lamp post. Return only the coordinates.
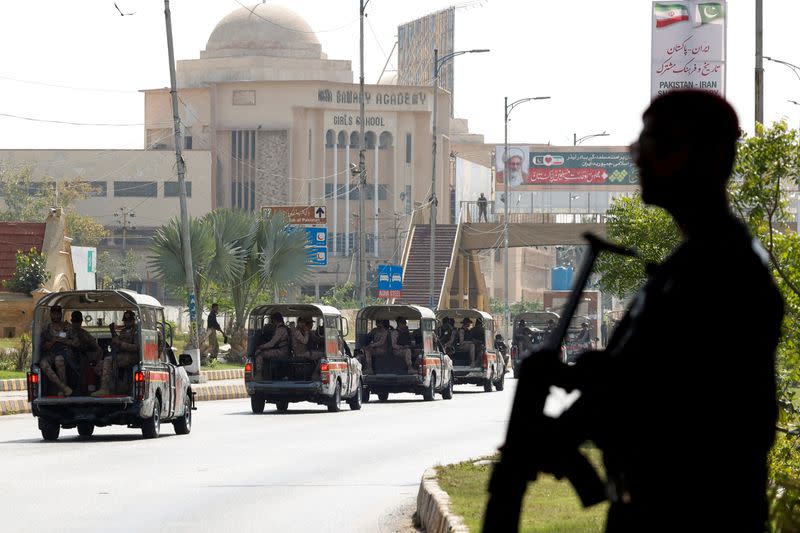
(507, 109)
(576, 141)
(437, 63)
(796, 71)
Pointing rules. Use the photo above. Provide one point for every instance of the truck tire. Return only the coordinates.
(50, 429)
(501, 383)
(355, 400)
(428, 393)
(256, 404)
(334, 405)
(365, 395)
(282, 407)
(183, 425)
(383, 396)
(447, 392)
(85, 429)
(151, 427)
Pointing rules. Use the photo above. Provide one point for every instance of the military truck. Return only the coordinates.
(327, 377)
(153, 390)
(488, 368)
(432, 370)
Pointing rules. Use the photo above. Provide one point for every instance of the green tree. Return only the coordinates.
(27, 200)
(30, 272)
(112, 268)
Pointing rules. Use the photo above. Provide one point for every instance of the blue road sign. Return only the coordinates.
(390, 281)
(396, 283)
(316, 236)
(318, 255)
(384, 277)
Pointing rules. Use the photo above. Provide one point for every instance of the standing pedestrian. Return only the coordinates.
(212, 327)
(482, 203)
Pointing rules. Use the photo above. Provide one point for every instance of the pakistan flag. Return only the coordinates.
(710, 13)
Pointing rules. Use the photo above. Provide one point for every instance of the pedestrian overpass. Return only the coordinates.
(458, 279)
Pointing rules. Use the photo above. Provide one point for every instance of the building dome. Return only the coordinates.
(263, 30)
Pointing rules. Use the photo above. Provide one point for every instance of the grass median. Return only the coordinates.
(550, 506)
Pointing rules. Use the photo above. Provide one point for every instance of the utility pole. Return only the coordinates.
(362, 167)
(195, 318)
(433, 301)
(123, 215)
(759, 85)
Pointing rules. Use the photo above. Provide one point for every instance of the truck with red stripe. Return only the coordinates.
(488, 368)
(432, 370)
(153, 390)
(326, 374)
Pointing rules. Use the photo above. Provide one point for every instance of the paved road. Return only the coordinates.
(307, 470)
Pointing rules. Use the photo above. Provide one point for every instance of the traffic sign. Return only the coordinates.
(318, 255)
(316, 236)
(390, 281)
(300, 214)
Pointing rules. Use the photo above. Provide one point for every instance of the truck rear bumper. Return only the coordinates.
(68, 412)
(468, 374)
(287, 391)
(394, 383)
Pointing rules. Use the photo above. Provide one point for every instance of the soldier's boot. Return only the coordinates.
(105, 379)
(61, 369)
(53, 377)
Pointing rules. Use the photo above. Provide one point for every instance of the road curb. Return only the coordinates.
(229, 373)
(15, 406)
(433, 507)
(8, 385)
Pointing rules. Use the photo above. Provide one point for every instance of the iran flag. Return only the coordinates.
(667, 14)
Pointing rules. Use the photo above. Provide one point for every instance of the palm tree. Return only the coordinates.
(247, 254)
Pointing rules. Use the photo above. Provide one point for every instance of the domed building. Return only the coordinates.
(281, 122)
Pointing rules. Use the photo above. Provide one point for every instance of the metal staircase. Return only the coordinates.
(416, 272)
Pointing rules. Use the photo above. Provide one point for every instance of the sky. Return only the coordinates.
(592, 58)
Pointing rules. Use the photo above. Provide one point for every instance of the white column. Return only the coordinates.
(335, 191)
(377, 181)
(347, 200)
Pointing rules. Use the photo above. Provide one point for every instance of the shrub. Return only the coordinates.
(30, 272)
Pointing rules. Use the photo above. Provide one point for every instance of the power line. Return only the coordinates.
(9, 115)
(252, 10)
(58, 86)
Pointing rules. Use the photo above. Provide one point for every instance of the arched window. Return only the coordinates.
(386, 140)
(329, 137)
(370, 138)
(354, 140)
(342, 139)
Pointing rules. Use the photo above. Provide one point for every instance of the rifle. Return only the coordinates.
(536, 442)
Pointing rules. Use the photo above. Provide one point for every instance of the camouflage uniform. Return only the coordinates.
(277, 346)
(401, 346)
(60, 340)
(466, 345)
(380, 345)
(126, 353)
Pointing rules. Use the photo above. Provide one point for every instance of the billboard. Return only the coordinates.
(561, 167)
(688, 46)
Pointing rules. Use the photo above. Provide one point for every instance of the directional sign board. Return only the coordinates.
(300, 214)
(390, 281)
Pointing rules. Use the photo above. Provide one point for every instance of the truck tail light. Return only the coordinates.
(140, 384)
(33, 385)
(513, 352)
(248, 371)
(423, 369)
(324, 370)
(485, 361)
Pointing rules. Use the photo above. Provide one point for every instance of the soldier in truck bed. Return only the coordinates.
(277, 346)
(380, 344)
(58, 341)
(403, 343)
(124, 352)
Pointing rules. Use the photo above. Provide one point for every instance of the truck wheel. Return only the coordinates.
(50, 429)
(183, 425)
(282, 407)
(501, 383)
(151, 427)
(487, 385)
(334, 406)
(85, 429)
(447, 392)
(355, 400)
(365, 395)
(428, 393)
(257, 404)
(383, 396)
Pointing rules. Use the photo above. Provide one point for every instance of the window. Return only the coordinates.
(187, 142)
(241, 97)
(171, 188)
(243, 169)
(139, 189)
(99, 188)
(383, 192)
(408, 148)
